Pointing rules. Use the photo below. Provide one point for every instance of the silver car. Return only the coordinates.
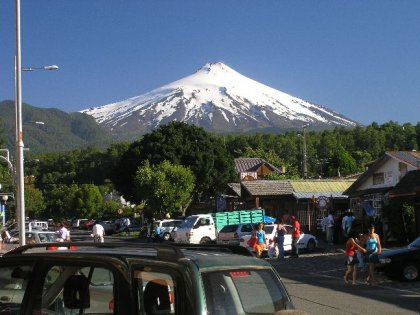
(231, 234)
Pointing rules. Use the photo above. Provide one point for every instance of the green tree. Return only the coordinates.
(165, 188)
(59, 202)
(87, 201)
(34, 202)
(181, 144)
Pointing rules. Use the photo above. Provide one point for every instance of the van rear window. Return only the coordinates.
(229, 228)
(244, 291)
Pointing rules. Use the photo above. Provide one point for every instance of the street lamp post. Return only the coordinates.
(20, 193)
(304, 153)
(20, 200)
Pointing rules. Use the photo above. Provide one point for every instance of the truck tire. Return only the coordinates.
(205, 240)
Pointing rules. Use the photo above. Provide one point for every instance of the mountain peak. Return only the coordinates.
(219, 99)
(215, 67)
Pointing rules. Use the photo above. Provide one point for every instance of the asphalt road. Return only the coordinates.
(315, 282)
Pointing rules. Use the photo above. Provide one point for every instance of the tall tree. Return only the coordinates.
(181, 144)
(165, 188)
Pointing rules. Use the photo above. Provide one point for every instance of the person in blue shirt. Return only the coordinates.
(156, 232)
(260, 243)
(373, 248)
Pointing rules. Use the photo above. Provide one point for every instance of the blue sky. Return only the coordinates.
(359, 58)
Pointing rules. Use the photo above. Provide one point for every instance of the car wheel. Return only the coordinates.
(166, 236)
(410, 271)
(311, 245)
(205, 240)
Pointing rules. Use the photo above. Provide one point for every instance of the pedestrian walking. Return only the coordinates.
(98, 233)
(281, 232)
(373, 248)
(63, 233)
(295, 237)
(347, 223)
(156, 233)
(351, 257)
(330, 229)
(260, 243)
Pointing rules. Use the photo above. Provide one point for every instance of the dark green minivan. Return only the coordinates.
(125, 278)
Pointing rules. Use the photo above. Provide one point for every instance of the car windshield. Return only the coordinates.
(188, 222)
(415, 243)
(229, 228)
(244, 291)
(47, 237)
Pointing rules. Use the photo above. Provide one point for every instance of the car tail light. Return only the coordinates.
(111, 305)
(52, 247)
(237, 274)
(72, 247)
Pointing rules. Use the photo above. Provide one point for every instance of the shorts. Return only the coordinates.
(371, 257)
(351, 261)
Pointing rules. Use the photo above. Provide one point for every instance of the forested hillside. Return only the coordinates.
(50, 129)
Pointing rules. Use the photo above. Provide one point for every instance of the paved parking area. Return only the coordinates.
(331, 265)
(315, 283)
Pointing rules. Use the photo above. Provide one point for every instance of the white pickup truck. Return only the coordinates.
(203, 228)
(196, 229)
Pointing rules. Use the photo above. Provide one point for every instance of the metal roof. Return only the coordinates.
(409, 157)
(268, 187)
(299, 188)
(323, 186)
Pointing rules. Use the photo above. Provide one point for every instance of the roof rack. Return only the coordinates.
(234, 249)
(164, 252)
(167, 252)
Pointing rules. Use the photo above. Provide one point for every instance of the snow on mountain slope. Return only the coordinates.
(219, 99)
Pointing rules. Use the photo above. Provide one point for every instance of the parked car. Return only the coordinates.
(78, 223)
(231, 234)
(109, 226)
(139, 278)
(37, 236)
(306, 241)
(29, 226)
(166, 226)
(402, 262)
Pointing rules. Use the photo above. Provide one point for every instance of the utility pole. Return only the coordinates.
(304, 166)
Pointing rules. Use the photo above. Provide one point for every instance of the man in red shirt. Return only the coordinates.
(295, 237)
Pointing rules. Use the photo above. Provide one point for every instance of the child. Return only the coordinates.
(273, 250)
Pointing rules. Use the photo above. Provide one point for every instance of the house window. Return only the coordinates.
(378, 178)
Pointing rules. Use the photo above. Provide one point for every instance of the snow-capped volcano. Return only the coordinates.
(219, 99)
